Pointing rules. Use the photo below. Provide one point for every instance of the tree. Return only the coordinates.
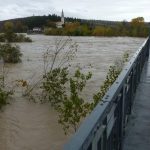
(9, 34)
(71, 28)
(137, 21)
(74, 108)
(63, 90)
(99, 31)
(51, 24)
(19, 27)
(54, 84)
(138, 27)
(9, 31)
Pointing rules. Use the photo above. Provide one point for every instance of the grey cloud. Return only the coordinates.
(88, 9)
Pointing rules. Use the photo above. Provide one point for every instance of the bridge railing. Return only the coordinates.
(104, 128)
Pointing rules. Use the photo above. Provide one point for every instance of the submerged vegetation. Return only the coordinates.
(4, 92)
(111, 76)
(64, 93)
(74, 108)
(9, 53)
(63, 89)
(4, 95)
(10, 36)
(14, 38)
(59, 85)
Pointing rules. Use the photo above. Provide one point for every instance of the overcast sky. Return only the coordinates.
(86, 9)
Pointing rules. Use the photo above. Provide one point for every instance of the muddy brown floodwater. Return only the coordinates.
(25, 125)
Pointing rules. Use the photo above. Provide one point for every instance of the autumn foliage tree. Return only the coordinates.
(72, 28)
(9, 31)
(19, 27)
(138, 27)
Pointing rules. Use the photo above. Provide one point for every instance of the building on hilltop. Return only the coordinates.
(37, 29)
(62, 22)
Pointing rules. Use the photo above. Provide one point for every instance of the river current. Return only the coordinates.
(25, 125)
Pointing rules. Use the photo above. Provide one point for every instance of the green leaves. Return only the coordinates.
(10, 36)
(79, 80)
(75, 108)
(54, 85)
(64, 95)
(112, 75)
(4, 97)
(9, 53)
(64, 91)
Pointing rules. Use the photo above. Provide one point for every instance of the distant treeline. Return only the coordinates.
(28, 23)
(78, 27)
(135, 28)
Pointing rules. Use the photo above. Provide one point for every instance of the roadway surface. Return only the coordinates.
(138, 129)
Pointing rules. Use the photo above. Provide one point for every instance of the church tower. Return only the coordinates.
(62, 17)
(62, 22)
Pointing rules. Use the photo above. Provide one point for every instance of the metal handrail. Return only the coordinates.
(104, 128)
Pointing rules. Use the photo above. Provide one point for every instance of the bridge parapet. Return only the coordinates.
(104, 128)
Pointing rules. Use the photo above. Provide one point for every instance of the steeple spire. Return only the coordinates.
(62, 17)
(62, 13)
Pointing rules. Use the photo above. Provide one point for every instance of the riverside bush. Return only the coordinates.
(64, 93)
(10, 36)
(3, 97)
(14, 38)
(111, 76)
(54, 84)
(74, 108)
(21, 38)
(2, 37)
(9, 53)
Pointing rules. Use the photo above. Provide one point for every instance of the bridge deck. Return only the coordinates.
(138, 129)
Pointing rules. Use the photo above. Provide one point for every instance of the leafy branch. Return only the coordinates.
(111, 76)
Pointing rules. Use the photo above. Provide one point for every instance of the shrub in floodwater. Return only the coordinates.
(27, 39)
(10, 36)
(54, 84)
(21, 38)
(2, 37)
(111, 76)
(4, 97)
(15, 38)
(74, 108)
(64, 93)
(9, 53)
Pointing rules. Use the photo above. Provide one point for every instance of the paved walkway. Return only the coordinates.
(138, 130)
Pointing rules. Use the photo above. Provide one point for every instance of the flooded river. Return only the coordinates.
(25, 125)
